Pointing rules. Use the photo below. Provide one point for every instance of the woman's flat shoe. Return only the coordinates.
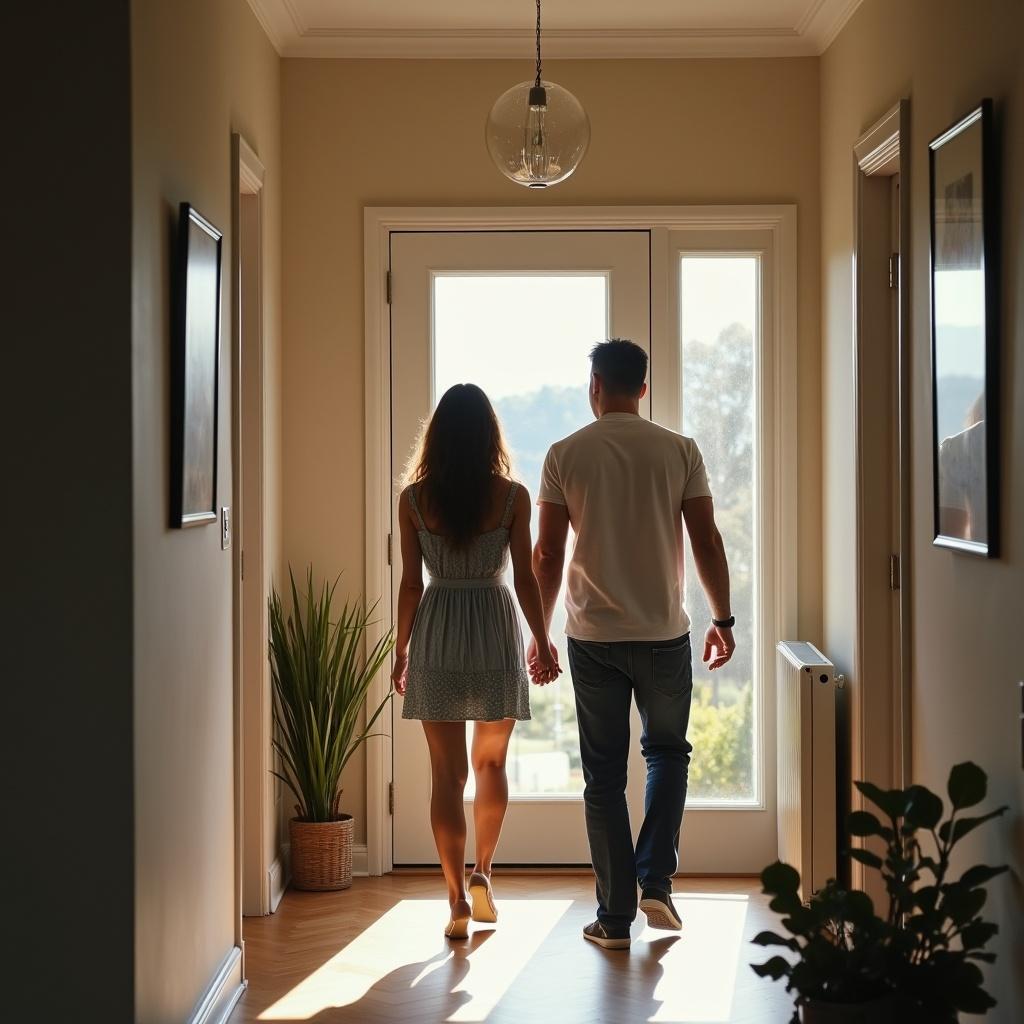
(482, 898)
(458, 928)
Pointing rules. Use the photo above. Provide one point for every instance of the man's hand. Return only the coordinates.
(718, 646)
(399, 672)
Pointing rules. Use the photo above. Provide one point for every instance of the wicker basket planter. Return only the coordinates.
(321, 853)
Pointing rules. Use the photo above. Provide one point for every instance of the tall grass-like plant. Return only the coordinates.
(321, 680)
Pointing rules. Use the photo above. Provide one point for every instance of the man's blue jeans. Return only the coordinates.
(605, 677)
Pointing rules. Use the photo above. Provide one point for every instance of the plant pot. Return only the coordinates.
(877, 1011)
(321, 853)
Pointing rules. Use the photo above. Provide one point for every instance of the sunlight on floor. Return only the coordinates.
(700, 969)
(400, 951)
(525, 924)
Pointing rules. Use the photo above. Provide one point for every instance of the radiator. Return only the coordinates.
(806, 696)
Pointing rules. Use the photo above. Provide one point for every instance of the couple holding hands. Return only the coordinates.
(626, 486)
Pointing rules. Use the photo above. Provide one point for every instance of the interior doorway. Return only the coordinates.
(878, 715)
(260, 872)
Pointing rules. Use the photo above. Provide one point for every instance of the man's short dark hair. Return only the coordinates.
(621, 365)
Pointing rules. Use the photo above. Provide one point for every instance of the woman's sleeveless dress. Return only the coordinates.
(466, 660)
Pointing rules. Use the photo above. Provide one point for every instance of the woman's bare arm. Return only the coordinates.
(410, 591)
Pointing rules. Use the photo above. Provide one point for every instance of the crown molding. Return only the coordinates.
(825, 20)
(292, 37)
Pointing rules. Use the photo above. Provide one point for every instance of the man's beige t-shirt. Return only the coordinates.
(623, 480)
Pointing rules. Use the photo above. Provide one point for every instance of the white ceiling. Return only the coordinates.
(572, 28)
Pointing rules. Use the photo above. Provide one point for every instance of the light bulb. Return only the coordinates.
(535, 140)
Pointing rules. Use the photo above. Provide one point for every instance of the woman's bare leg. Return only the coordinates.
(449, 771)
(490, 749)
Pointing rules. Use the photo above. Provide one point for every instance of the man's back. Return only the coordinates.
(623, 480)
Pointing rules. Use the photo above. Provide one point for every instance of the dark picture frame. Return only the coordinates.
(964, 276)
(195, 370)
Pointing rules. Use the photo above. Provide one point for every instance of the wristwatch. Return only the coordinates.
(725, 623)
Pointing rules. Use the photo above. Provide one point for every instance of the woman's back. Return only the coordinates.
(485, 556)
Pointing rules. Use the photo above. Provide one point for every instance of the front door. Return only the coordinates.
(517, 312)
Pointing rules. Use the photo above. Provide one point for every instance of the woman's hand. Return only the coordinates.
(399, 672)
(543, 662)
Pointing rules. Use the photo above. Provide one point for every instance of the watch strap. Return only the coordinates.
(725, 623)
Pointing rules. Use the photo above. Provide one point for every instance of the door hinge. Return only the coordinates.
(894, 271)
(894, 572)
(391, 798)
(388, 286)
(390, 547)
(241, 564)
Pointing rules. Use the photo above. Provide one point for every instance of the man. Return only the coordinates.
(626, 486)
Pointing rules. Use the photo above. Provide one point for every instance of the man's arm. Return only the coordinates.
(713, 571)
(549, 554)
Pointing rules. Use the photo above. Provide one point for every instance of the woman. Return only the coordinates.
(459, 649)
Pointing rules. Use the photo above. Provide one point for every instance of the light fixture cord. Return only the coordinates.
(538, 44)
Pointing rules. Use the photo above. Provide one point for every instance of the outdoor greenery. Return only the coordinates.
(320, 681)
(922, 955)
(721, 736)
(718, 381)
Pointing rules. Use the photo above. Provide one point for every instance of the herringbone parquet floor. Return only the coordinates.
(376, 953)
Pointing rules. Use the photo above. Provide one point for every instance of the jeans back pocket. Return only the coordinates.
(672, 672)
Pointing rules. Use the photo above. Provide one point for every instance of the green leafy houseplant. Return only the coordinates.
(321, 678)
(918, 962)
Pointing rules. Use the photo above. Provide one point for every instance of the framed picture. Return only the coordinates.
(965, 339)
(195, 371)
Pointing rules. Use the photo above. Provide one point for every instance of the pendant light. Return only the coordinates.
(537, 132)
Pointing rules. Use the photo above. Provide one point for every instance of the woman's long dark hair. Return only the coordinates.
(461, 451)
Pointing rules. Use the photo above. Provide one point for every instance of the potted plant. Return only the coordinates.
(919, 962)
(321, 679)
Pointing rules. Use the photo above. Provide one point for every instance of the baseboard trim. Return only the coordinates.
(360, 860)
(277, 882)
(225, 990)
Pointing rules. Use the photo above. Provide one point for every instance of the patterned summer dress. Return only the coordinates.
(466, 660)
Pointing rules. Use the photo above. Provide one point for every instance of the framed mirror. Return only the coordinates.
(965, 382)
(195, 364)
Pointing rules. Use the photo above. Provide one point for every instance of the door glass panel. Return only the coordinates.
(718, 306)
(525, 339)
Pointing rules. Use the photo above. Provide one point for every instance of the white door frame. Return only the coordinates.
(878, 697)
(255, 786)
(379, 222)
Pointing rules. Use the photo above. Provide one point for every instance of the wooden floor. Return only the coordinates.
(376, 952)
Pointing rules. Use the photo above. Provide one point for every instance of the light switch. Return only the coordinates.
(225, 528)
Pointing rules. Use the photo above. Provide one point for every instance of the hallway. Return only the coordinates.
(376, 953)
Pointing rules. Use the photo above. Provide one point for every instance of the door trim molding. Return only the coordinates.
(252, 752)
(882, 151)
(378, 224)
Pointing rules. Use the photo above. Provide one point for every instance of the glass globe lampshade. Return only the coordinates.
(537, 135)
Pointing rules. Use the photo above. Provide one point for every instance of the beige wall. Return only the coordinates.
(944, 56)
(363, 133)
(201, 69)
